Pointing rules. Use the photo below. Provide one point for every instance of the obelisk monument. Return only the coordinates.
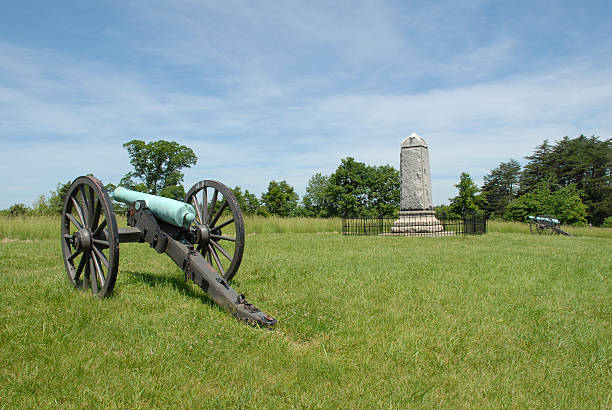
(416, 209)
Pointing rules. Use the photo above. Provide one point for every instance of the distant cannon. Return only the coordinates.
(545, 225)
(205, 238)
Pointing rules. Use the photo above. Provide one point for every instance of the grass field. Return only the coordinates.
(505, 319)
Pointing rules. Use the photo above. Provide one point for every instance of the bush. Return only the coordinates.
(607, 223)
(565, 204)
(18, 210)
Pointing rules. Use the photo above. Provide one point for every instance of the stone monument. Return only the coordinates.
(416, 210)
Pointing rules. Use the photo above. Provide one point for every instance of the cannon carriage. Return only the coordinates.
(545, 225)
(203, 235)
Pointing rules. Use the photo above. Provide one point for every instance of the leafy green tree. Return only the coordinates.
(41, 206)
(356, 189)
(252, 204)
(585, 162)
(384, 192)
(468, 200)
(248, 202)
(18, 209)
(315, 199)
(564, 204)
(157, 167)
(538, 168)
(280, 198)
(57, 197)
(347, 190)
(501, 186)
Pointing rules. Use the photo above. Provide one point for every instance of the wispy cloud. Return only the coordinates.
(262, 92)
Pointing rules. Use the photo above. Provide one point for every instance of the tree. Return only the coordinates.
(538, 168)
(280, 198)
(564, 204)
(501, 186)
(157, 167)
(585, 162)
(248, 202)
(315, 199)
(18, 209)
(468, 200)
(384, 192)
(356, 189)
(57, 197)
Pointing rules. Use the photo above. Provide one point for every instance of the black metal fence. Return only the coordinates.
(416, 225)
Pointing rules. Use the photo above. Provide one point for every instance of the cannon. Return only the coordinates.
(545, 224)
(204, 236)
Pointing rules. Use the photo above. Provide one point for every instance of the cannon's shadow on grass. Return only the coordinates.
(177, 283)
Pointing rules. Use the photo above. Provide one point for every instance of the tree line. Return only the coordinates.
(570, 179)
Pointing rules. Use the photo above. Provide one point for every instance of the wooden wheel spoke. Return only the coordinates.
(92, 201)
(74, 221)
(104, 244)
(96, 215)
(224, 224)
(101, 256)
(74, 255)
(93, 276)
(223, 251)
(204, 205)
(198, 210)
(86, 206)
(213, 203)
(218, 214)
(77, 274)
(216, 258)
(99, 271)
(79, 211)
(223, 237)
(99, 228)
(87, 270)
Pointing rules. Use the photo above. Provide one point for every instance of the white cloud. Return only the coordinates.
(264, 92)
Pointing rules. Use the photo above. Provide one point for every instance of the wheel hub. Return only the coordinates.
(202, 233)
(81, 240)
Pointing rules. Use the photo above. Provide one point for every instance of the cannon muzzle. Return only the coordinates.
(169, 210)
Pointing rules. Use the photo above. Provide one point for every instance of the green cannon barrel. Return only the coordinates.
(174, 212)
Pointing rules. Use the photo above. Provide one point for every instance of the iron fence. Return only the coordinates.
(429, 225)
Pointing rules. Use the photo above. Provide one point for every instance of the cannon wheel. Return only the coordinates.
(533, 227)
(217, 211)
(90, 242)
(547, 227)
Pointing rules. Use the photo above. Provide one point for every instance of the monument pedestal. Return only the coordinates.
(420, 221)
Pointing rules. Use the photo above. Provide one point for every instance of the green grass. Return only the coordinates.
(39, 228)
(520, 227)
(499, 320)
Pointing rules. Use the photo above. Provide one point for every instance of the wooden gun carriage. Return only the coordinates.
(204, 236)
(545, 224)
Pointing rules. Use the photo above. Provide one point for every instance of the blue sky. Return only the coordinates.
(282, 90)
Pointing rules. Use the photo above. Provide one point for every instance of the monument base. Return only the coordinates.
(424, 221)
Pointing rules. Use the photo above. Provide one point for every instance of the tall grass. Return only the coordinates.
(275, 224)
(521, 227)
(30, 227)
(48, 227)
